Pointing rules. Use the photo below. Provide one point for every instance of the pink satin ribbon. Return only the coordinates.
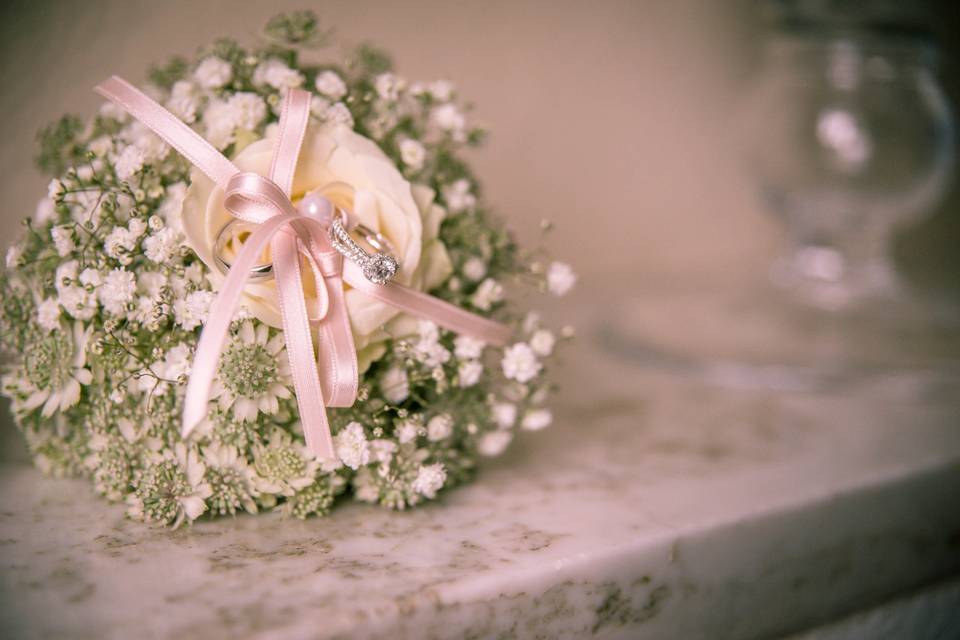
(329, 378)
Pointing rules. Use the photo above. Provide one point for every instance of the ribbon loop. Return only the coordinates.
(329, 377)
(253, 198)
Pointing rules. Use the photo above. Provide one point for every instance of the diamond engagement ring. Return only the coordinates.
(378, 267)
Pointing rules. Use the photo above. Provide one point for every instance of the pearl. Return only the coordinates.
(317, 206)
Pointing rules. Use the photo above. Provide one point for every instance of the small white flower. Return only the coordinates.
(431, 354)
(475, 268)
(86, 207)
(407, 431)
(118, 288)
(171, 209)
(428, 349)
(469, 373)
(54, 189)
(504, 414)
(537, 419)
(560, 278)
(277, 74)
(283, 466)
(232, 480)
(177, 362)
(150, 144)
(110, 110)
(412, 153)
(128, 162)
(48, 314)
(331, 85)
(388, 86)
(254, 374)
(136, 226)
(441, 90)
(428, 331)
(219, 121)
(383, 450)
(542, 342)
(493, 443)
(56, 369)
(318, 107)
(44, 212)
(14, 253)
(213, 73)
(66, 274)
(448, 118)
(487, 294)
(162, 245)
(91, 277)
(338, 113)
(172, 488)
(439, 427)
(184, 101)
(458, 196)
(192, 311)
(467, 347)
(429, 480)
(119, 244)
(520, 363)
(351, 446)
(395, 384)
(249, 110)
(243, 110)
(101, 146)
(63, 240)
(77, 301)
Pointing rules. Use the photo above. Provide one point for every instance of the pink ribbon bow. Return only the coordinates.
(331, 377)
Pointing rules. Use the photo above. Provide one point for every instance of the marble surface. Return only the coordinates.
(656, 507)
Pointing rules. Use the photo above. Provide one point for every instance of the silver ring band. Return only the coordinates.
(378, 267)
(263, 271)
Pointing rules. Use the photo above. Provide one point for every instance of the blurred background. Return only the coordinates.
(654, 134)
(616, 114)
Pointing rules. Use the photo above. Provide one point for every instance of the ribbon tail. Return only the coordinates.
(428, 307)
(299, 340)
(337, 354)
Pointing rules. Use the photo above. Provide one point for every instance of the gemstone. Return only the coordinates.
(379, 268)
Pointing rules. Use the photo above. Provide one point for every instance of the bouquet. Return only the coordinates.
(124, 269)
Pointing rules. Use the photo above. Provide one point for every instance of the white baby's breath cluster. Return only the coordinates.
(103, 303)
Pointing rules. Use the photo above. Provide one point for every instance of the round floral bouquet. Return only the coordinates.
(106, 293)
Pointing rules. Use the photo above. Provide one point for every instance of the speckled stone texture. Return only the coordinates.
(654, 508)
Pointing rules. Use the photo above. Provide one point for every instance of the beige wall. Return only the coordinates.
(608, 117)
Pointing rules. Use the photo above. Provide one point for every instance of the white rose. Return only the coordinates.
(356, 175)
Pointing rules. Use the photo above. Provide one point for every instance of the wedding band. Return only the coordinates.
(261, 271)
